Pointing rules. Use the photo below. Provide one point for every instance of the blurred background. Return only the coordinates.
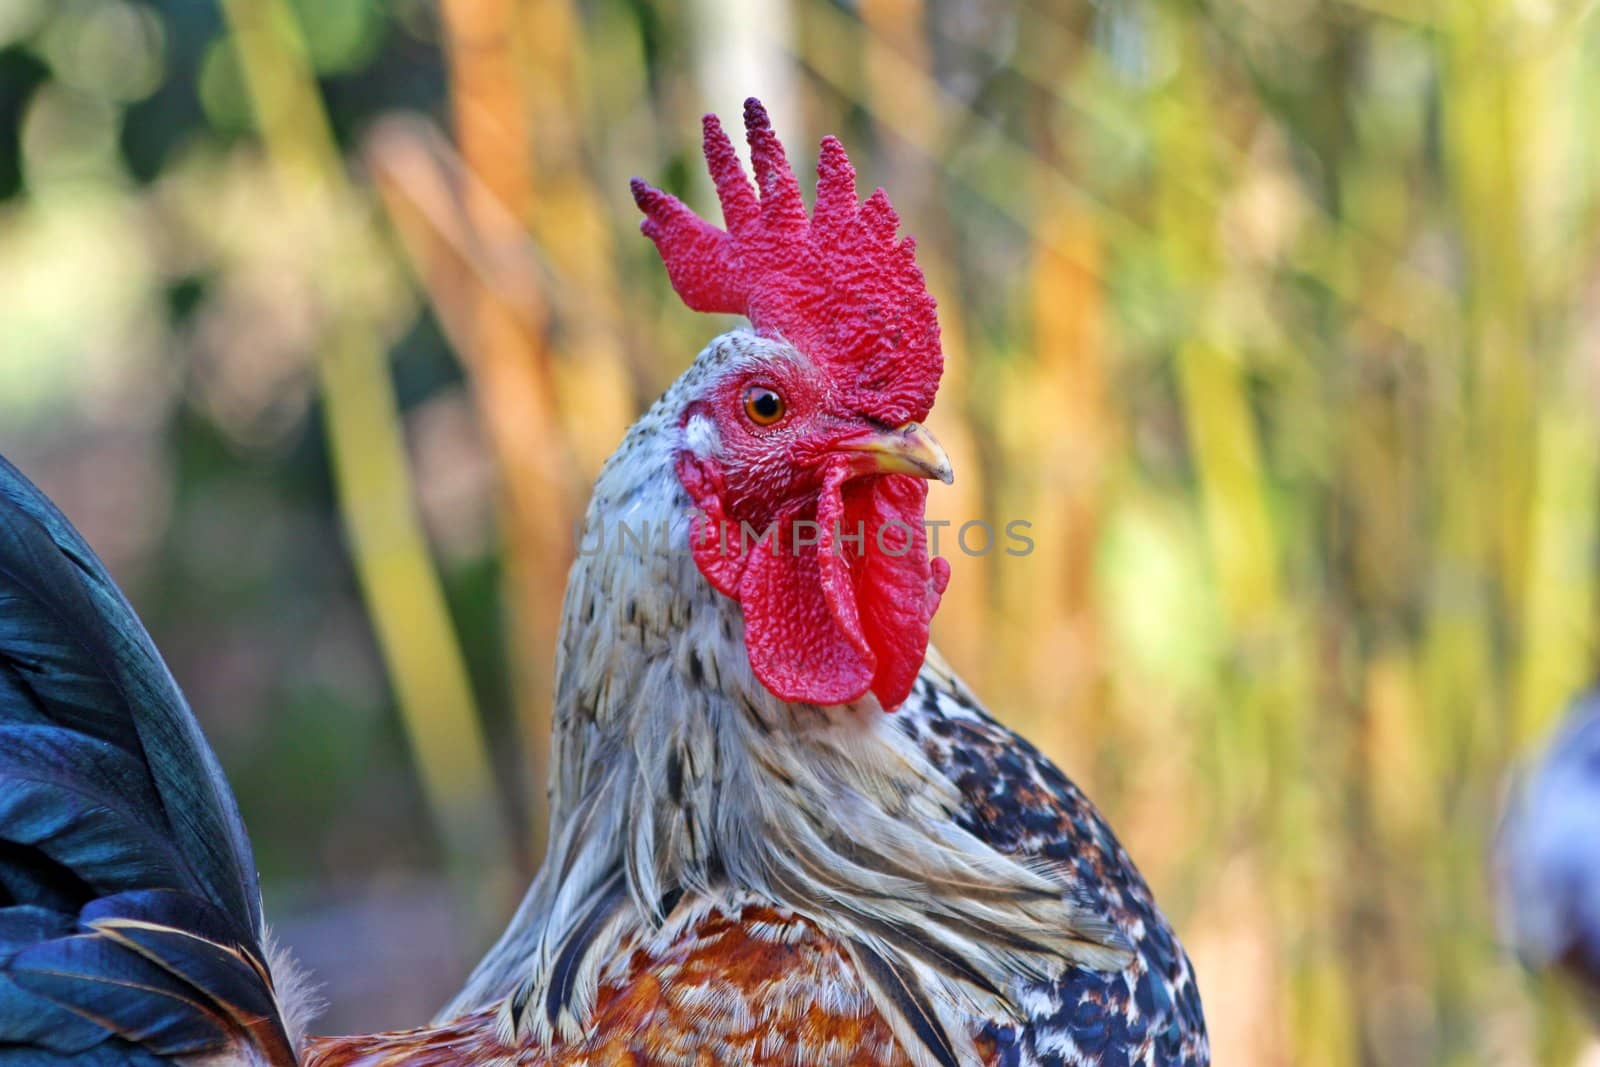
(1276, 318)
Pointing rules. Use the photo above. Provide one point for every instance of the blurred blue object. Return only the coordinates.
(1549, 855)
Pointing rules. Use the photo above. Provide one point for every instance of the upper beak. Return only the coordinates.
(908, 449)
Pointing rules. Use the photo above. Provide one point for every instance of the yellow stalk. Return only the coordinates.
(388, 547)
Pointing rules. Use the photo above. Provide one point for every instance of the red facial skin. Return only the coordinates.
(827, 617)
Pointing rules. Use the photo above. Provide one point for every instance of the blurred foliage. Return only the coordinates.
(1275, 319)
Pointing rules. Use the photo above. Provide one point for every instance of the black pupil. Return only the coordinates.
(765, 404)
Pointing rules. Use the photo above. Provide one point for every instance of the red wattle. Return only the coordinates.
(829, 621)
(893, 587)
(799, 647)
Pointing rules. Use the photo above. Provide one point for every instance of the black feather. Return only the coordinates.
(110, 1054)
(99, 674)
(910, 1000)
(28, 876)
(94, 977)
(926, 946)
(564, 974)
(30, 1020)
(130, 915)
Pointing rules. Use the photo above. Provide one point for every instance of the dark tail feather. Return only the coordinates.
(130, 915)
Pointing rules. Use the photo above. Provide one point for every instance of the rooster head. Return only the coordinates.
(802, 446)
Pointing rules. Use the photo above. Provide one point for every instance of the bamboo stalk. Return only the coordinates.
(371, 475)
(510, 362)
(571, 221)
(1070, 433)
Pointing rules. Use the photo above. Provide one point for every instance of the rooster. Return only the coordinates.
(782, 830)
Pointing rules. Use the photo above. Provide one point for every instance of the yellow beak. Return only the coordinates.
(908, 449)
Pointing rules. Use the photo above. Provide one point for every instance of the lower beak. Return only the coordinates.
(908, 449)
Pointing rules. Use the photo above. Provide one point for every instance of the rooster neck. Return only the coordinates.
(663, 734)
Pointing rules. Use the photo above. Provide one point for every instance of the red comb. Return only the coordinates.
(838, 286)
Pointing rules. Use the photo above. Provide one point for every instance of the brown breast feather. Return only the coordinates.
(741, 988)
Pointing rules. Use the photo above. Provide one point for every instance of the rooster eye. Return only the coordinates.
(764, 406)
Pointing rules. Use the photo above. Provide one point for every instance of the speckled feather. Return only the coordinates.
(1019, 802)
